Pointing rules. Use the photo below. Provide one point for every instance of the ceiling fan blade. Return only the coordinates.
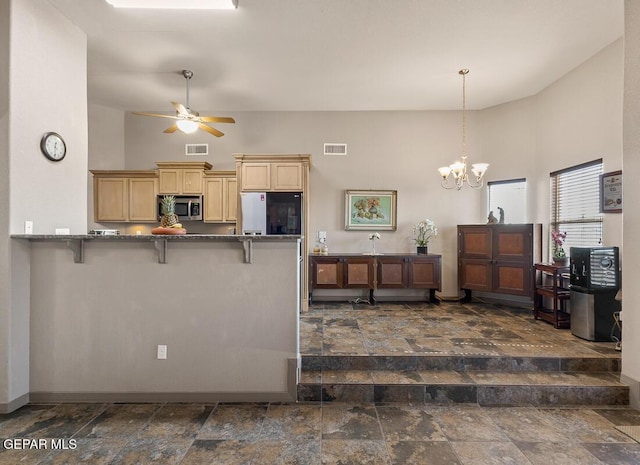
(180, 108)
(171, 129)
(210, 130)
(217, 119)
(154, 114)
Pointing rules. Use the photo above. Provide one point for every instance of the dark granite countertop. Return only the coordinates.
(153, 237)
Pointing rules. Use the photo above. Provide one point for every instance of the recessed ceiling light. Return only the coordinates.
(176, 4)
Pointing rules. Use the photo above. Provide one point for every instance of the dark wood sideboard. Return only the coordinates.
(372, 272)
(498, 258)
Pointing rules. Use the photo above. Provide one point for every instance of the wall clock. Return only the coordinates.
(53, 146)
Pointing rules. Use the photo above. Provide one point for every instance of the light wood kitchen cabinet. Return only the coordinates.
(498, 258)
(272, 176)
(256, 176)
(286, 177)
(125, 196)
(142, 199)
(182, 178)
(220, 197)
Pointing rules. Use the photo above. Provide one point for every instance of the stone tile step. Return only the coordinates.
(479, 387)
(495, 364)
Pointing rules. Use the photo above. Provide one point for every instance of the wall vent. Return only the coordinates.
(196, 149)
(335, 149)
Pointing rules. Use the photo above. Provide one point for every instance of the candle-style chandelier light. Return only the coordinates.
(455, 175)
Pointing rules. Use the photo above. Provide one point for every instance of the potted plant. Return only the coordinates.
(423, 231)
(559, 255)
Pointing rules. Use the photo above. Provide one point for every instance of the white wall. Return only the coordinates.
(45, 44)
(46, 82)
(630, 271)
(579, 119)
(5, 282)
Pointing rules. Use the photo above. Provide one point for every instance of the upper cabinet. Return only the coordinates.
(272, 172)
(125, 196)
(221, 197)
(182, 177)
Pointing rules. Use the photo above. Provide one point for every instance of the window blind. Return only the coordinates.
(575, 205)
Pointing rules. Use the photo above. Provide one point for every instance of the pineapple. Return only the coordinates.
(169, 217)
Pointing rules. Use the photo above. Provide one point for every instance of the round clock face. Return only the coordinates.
(53, 146)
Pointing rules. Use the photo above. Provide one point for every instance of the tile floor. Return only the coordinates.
(337, 328)
(349, 433)
(315, 434)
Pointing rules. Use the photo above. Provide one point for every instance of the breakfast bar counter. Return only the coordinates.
(226, 307)
(76, 242)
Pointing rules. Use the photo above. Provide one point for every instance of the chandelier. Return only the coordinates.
(458, 170)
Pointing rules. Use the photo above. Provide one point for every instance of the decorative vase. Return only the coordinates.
(422, 250)
(561, 261)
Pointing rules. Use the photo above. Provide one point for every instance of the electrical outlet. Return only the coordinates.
(162, 352)
(28, 227)
(322, 234)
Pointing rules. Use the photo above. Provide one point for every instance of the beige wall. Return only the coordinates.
(95, 326)
(575, 120)
(579, 119)
(630, 271)
(36, 41)
(5, 282)
(43, 42)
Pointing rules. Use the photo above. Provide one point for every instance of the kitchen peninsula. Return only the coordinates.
(225, 306)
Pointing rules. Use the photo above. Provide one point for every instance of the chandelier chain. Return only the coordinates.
(464, 112)
(456, 175)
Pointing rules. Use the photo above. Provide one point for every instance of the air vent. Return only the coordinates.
(196, 149)
(335, 149)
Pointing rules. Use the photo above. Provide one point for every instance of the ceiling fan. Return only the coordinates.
(189, 121)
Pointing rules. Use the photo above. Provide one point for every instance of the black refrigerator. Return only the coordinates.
(595, 280)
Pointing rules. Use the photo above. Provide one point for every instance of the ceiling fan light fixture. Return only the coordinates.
(187, 126)
(176, 4)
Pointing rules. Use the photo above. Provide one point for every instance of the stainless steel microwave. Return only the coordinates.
(188, 207)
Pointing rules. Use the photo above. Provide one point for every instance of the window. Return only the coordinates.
(575, 205)
(511, 196)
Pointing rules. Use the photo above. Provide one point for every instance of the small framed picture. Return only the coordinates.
(611, 192)
(371, 210)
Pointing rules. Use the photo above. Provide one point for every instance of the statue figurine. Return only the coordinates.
(491, 219)
(501, 215)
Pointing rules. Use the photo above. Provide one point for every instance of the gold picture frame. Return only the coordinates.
(370, 210)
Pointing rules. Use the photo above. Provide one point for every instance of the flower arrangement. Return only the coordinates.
(423, 231)
(372, 238)
(558, 239)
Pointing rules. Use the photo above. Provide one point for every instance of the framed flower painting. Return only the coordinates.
(370, 210)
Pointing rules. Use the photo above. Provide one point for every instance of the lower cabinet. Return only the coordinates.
(389, 271)
(498, 258)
